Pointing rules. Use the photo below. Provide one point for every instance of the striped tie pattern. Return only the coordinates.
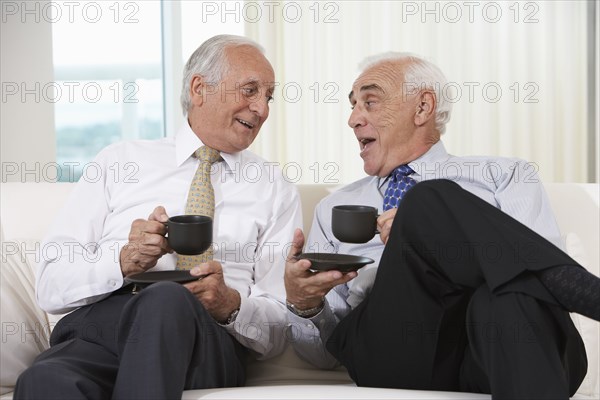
(200, 201)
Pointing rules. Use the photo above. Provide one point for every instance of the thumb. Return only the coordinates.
(159, 214)
(297, 243)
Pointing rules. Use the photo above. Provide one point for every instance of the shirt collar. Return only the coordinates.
(436, 154)
(187, 142)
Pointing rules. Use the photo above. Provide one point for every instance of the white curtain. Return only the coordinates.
(518, 71)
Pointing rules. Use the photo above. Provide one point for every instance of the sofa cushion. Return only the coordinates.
(25, 330)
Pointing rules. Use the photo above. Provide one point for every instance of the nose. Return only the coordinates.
(260, 106)
(356, 118)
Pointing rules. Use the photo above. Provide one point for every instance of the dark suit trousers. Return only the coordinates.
(151, 345)
(456, 305)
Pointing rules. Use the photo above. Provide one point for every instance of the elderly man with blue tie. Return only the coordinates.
(470, 290)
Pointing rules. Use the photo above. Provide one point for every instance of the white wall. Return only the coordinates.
(26, 115)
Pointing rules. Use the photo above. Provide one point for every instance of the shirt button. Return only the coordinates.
(112, 282)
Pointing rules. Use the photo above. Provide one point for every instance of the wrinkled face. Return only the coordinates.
(228, 116)
(383, 119)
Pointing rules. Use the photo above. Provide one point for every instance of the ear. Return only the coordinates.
(425, 108)
(197, 89)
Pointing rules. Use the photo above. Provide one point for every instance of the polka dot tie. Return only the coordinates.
(201, 201)
(399, 183)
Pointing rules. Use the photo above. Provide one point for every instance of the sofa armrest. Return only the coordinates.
(25, 328)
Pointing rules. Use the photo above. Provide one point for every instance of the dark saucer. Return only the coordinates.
(340, 262)
(147, 278)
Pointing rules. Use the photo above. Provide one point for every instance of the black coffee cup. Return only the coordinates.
(354, 224)
(190, 234)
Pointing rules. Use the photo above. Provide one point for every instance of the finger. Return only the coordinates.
(151, 250)
(155, 227)
(141, 261)
(297, 244)
(140, 228)
(207, 268)
(146, 262)
(192, 287)
(298, 267)
(347, 277)
(197, 272)
(385, 232)
(136, 230)
(155, 236)
(127, 257)
(333, 277)
(159, 214)
(385, 217)
(383, 238)
(152, 245)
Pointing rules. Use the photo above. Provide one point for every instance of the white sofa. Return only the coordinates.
(25, 328)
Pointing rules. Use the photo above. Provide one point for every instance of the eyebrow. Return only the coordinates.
(364, 88)
(255, 81)
(250, 81)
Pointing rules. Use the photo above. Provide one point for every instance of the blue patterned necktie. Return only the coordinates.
(399, 183)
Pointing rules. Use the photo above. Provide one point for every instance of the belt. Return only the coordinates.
(130, 288)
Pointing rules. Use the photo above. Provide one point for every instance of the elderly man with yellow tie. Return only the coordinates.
(171, 337)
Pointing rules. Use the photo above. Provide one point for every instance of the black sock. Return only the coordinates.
(574, 288)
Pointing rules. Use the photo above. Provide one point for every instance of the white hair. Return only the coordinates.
(209, 60)
(419, 74)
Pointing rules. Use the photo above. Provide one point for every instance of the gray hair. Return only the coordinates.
(209, 60)
(419, 74)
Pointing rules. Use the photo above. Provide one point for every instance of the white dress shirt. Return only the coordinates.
(256, 212)
(510, 184)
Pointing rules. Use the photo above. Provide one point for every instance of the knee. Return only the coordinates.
(29, 378)
(165, 295)
(420, 203)
(42, 374)
(167, 298)
(58, 379)
(421, 195)
(164, 290)
(427, 191)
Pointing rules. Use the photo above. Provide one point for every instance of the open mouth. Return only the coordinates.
(245, 123)
(364, 143)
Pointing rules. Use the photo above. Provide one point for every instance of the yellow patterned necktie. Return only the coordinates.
(201, 201)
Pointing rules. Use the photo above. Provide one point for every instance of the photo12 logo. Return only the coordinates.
(67, 171)
(270, 11)
(472, 92)
(70, 11)
(70, 92)
(470, 11)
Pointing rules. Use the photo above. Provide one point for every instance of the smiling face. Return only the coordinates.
(391, 128)
(228, 116)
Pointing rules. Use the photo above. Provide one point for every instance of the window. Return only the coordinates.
(108, 77)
